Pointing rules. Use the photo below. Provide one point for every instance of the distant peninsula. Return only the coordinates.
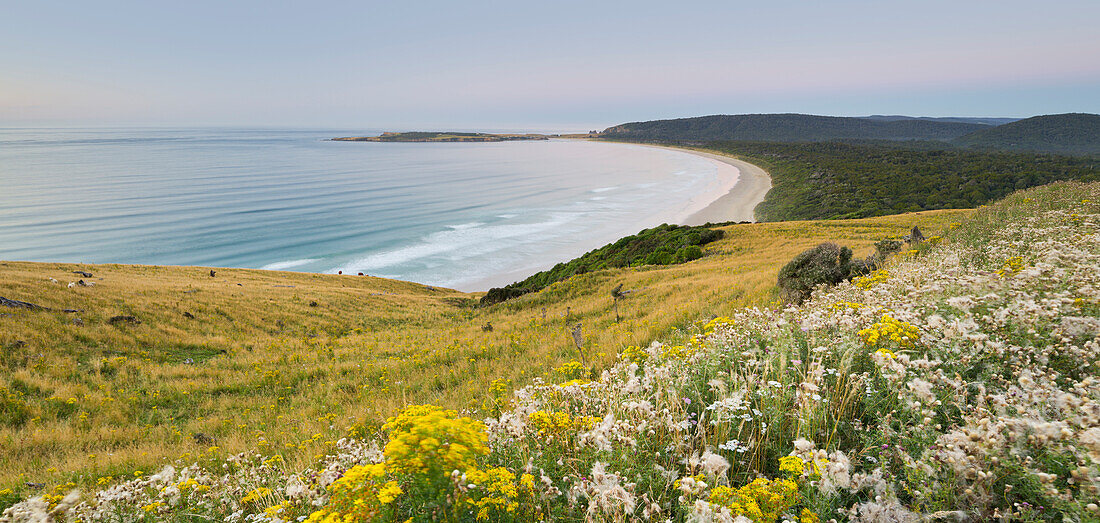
(419, 136)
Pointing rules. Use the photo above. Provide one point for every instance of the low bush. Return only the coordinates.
(662, 245)
(826, 264)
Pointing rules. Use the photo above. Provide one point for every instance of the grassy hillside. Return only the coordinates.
(1073, 133)
(788, 128)
(956, 383)
(840, 180)
(287, 363)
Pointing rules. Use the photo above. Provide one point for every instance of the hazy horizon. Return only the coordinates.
(567, 66)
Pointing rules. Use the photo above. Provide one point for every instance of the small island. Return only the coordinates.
(420, 136)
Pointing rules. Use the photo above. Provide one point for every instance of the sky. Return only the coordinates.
(546, 65)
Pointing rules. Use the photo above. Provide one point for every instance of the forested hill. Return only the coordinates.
(840, 180)
(790, 128)
(1073, 133)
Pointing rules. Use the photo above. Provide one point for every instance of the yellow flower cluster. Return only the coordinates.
(497, 399)
(634, 354)
(499, 387)
(425, 439)
(496, 492)
(358, 496)
(889, 331)
(571, 370)
(256, 495)
(671, 352)
(426, 444)
(934, 240)
(875, 278)
(762, 500)
(792, 465)
(558, 422)
(192, 485)
(57, 493)
(1011, 266)
(713, 324)
(796, 466)
(841, 305)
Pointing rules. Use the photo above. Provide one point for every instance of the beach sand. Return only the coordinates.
(753, 183)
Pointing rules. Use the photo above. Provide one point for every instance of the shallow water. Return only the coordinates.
(449, 214)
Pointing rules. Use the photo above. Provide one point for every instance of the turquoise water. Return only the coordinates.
(451, 214)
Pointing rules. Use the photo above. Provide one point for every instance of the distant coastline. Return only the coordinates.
(420, 136)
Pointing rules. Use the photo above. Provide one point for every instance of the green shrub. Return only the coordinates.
(662, 245)
(826, 264)
(688, 253)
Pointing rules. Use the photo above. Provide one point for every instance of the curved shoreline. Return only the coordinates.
(738, 195)
(737, 204)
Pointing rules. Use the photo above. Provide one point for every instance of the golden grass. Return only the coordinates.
(258, 367)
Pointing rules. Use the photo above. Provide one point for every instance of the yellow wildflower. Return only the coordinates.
(425, 439)
(892, 332)
(792, 465)
(388, 492)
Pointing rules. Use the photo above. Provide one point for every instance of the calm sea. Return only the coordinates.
(448, 214)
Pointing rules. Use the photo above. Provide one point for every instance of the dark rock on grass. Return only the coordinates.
(5, 302)
(21, 304)
(915, 236)
(115, 320)
(203, 439)
(188, 315)
(83, 273)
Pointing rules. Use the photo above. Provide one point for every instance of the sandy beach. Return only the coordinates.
(737, 204)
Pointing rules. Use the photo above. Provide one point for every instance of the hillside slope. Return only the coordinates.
(957, 383)
(788, 128)
(258, 365)
(1072, 133)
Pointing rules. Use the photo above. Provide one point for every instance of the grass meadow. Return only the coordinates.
(286, 364)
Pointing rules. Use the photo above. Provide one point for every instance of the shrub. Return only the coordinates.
(661, 245)
(499, 294)
(688, 253)
(826, 264)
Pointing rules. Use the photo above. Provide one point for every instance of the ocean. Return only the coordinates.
(460, 215)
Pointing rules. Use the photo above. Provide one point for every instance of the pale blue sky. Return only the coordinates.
(553, 65)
